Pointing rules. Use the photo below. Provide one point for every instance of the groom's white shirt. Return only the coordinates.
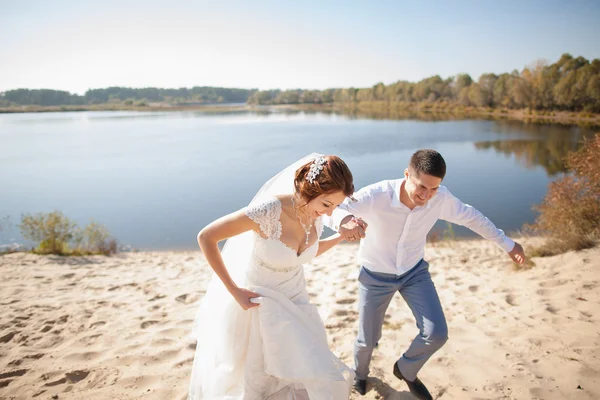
(395, 239)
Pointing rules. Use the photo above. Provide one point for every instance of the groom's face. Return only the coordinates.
(420, 188)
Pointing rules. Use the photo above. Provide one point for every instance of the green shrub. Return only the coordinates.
(53, 233)
(94, 239)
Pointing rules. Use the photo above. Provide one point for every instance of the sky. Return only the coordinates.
(78, 45)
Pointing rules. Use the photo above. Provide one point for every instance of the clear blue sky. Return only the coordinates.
(76, 45)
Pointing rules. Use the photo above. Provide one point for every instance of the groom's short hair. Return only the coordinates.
(429, 162)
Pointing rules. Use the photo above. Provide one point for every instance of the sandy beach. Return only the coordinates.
(117, 327)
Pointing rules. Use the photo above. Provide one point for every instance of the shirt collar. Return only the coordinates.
(396, 197)
(396, 194)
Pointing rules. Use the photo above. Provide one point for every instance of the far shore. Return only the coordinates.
(375, 110)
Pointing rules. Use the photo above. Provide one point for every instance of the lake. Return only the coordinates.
(156, 178)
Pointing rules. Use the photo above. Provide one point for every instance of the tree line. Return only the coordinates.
(570, 84)
(197, 94)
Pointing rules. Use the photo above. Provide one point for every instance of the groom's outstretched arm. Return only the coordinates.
(455, 211)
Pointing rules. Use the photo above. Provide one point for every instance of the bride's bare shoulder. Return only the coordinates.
(286, 203)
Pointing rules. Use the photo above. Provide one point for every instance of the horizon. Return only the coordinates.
(270, 46)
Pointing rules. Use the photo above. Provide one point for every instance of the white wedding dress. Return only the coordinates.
(279, 349)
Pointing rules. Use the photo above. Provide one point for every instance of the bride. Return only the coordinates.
(258, 335)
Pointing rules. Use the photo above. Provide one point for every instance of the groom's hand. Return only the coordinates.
(352, 228)
(517, 254)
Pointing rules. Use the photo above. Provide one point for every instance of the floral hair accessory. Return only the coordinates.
(315, 168)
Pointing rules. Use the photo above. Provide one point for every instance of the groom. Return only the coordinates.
(400, 213)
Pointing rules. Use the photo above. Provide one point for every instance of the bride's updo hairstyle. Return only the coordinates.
(334, 176)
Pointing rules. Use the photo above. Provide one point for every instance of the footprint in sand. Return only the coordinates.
(12, 374)
(186, 298)
(8, 337)
(335, 325)
(186, 362)
(5, 383)
(122, 286)
(16, 363)
(70, 377)
(510, 299)
(21, 318)
(146, 324)
(551, 309)
(345, 301)
(473, 288)
(98, 323)
(89, 339)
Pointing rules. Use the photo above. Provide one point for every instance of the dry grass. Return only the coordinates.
(570, 213)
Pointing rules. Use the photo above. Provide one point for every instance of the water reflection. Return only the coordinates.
(537, 145)
(429, 116)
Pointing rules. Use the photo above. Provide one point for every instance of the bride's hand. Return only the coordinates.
(243, 296)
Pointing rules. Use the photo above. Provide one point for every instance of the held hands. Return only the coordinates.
(517, 254)
(243, 297)
(353, 229)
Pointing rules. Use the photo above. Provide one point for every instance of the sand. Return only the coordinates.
(117, 327)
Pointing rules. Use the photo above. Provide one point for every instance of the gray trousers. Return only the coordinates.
(375, 293)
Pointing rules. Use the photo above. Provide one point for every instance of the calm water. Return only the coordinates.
(155, 179)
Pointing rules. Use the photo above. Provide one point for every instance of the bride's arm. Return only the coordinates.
(208, 240)
(328, 243)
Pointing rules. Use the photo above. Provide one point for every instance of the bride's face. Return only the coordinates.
(325, 204)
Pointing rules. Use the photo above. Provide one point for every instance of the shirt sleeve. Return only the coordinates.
(457, 212)
(359, 207)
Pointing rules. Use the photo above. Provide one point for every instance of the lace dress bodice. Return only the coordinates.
(278, 350)
(274, 264)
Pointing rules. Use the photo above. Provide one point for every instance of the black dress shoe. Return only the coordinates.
(360, 385)
(416, 387)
